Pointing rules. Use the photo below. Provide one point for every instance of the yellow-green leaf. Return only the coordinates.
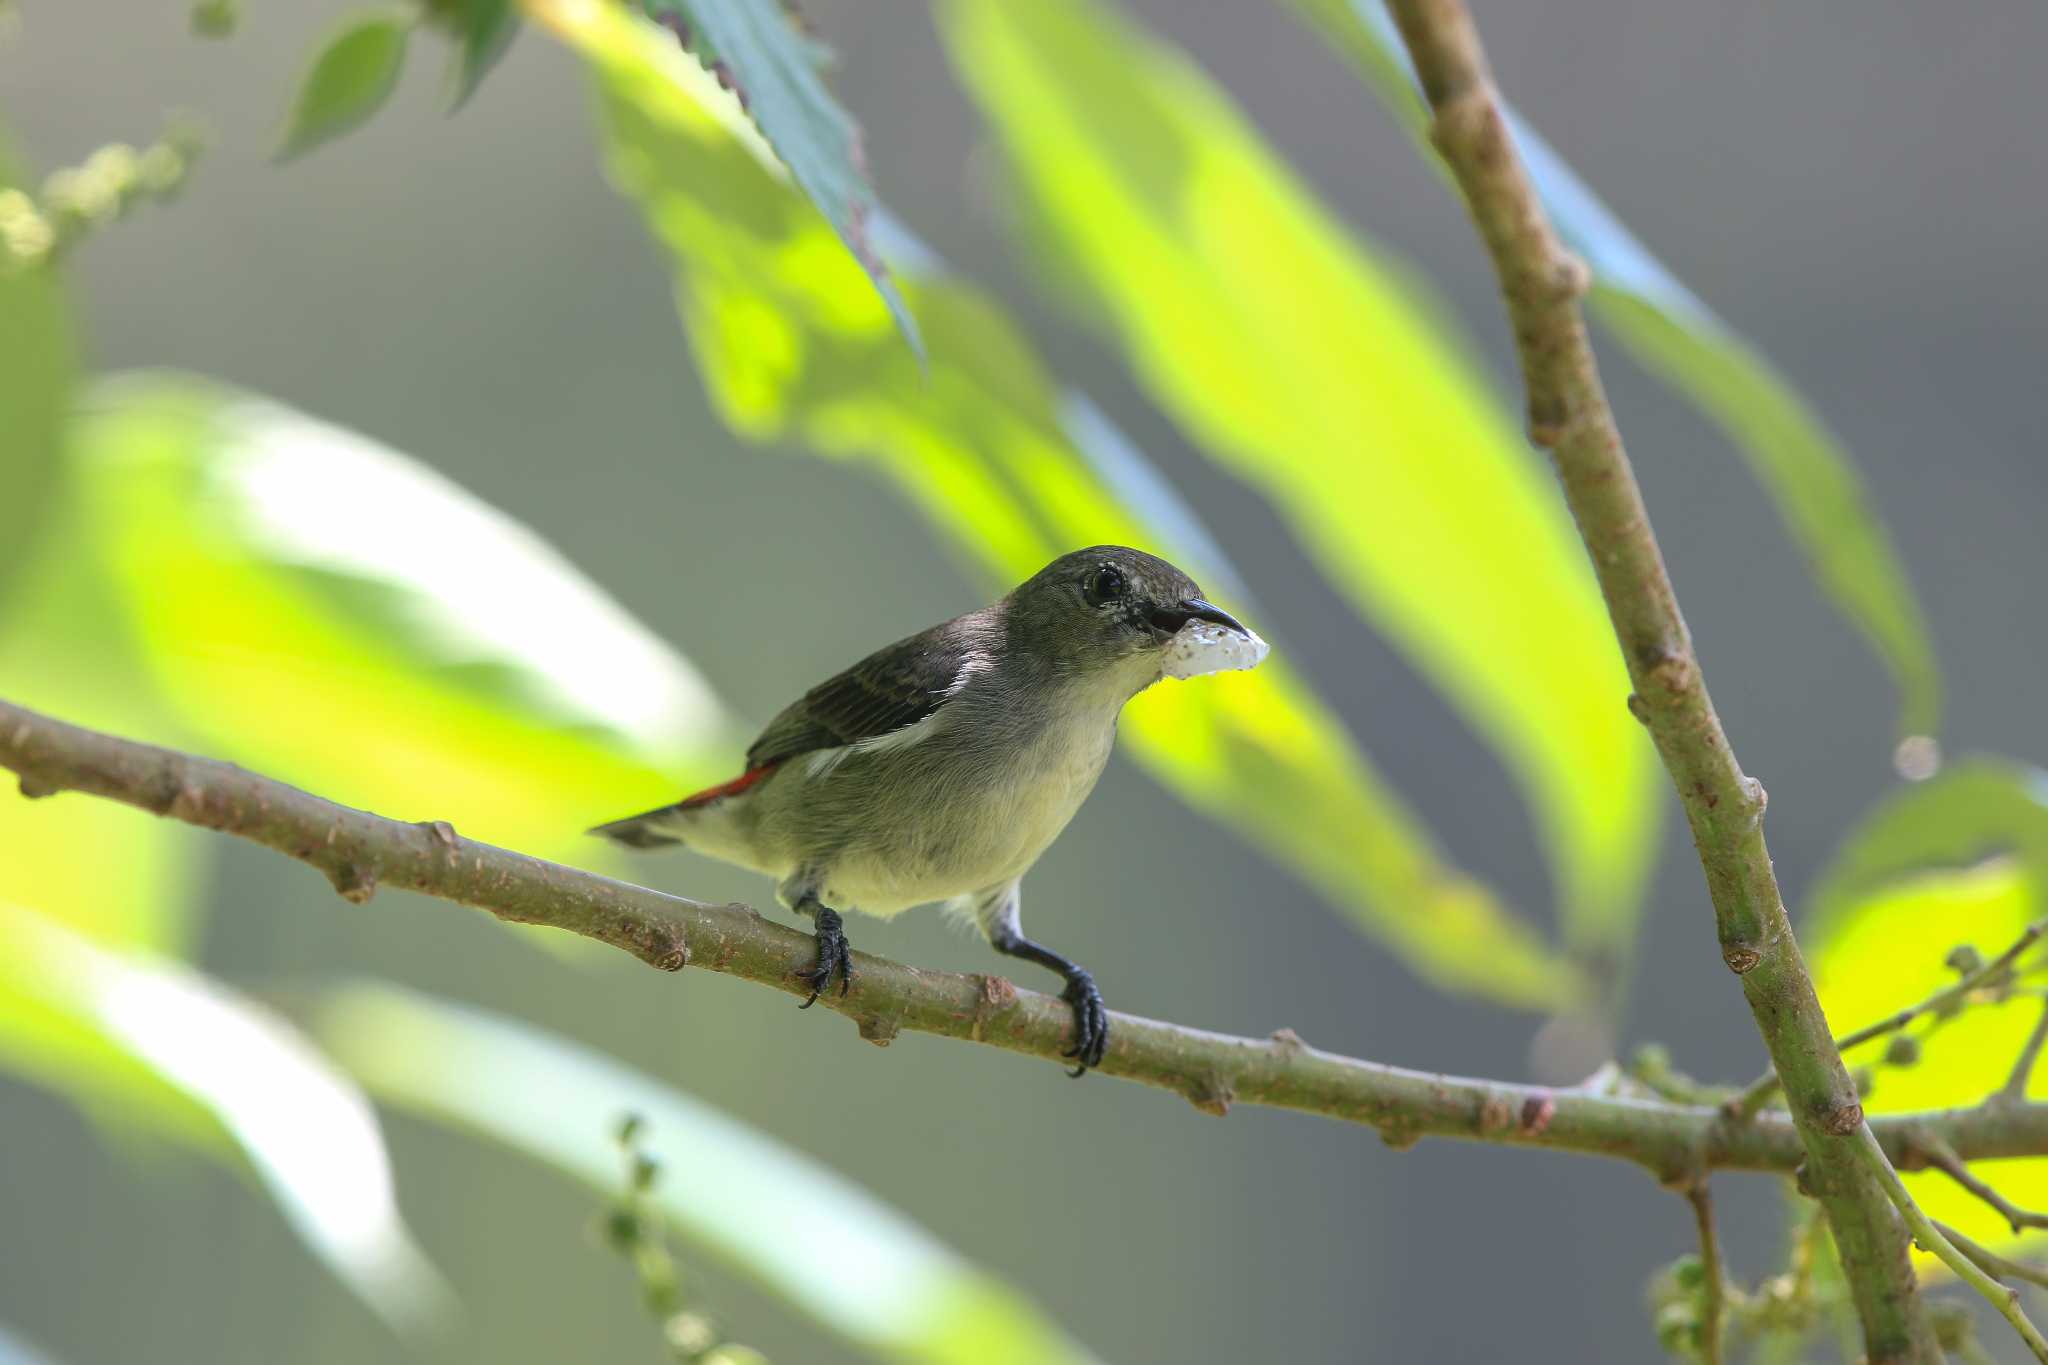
(1789, 449)
(1887, 951)
(353, 74)
(180, 1055)
(822, 1244)
(1319, 374)
(1972, 808)
(792, 346)
(322, 608)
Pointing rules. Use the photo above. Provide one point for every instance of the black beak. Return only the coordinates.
(1171, 619)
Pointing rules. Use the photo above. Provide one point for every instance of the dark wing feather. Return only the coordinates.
(895, 686)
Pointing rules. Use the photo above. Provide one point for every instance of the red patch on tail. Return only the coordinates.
(725, 789)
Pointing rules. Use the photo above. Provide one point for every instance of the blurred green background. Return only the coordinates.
(1858, 190)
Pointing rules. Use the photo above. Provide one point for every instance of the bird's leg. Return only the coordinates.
(1091, 1019)
(833, 955)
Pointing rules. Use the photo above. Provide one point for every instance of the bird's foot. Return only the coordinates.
(1091, 1021)
(834, 958)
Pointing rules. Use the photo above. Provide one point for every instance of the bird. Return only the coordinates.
(939, 768)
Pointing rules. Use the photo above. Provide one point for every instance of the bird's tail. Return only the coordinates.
(649, 829)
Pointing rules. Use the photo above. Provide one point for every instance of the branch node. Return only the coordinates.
(676, 958)
(1672, 669)
(1759, 799)
(1842, 1120)
(441, 831)
(1496, 1114)
(877, 1030)
(1740, 957)
(36, 788)
(1537, 1111)
(1571, 276)
(996, 994)
(353, 883)
(1211, 1094)
(1639, 708)
(1399, 1136)
(1286, 1042)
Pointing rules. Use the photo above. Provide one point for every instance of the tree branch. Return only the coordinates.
(1714, 1291)
(1968, 1269)
(1929, 1150)
(359, 852)
(1570, 417)
(1758, 1093)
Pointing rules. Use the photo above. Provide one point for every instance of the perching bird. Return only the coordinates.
(941, 767)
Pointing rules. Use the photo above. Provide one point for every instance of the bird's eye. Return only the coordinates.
(1105, 585)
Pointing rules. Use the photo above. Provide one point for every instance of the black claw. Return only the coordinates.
(1091, 1022)
(833, 958)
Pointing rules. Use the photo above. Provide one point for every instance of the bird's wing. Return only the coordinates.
(894, 687)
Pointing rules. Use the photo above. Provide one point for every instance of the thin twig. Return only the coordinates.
(1714, 1289)
(2002, 1296)
(2014, 1091)
(1992, 1262)
(358, 852)
(1569, 416)
(1758, 1092)
(1930, 1150)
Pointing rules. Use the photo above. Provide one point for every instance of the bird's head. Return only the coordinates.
(1111, 608)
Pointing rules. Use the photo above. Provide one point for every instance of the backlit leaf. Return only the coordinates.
(792, 347)
(1317, 373)
(822, 1244)
(1886, 951)
(762, 51)
(1806, 472)
(324, 609)
(184, 1055)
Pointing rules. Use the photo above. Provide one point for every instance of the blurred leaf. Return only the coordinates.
(484, 30)
(64, 648)
(761, 50)
(789, 351)
(1886, 951)
(38, 367)
(1672, 332)
(354, 73)
(323, 608)
(186, 1056)
(15, 1350)
(853, 1264)
(1322, 378)
(1974, 807)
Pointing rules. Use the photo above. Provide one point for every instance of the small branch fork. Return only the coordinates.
(360, 852)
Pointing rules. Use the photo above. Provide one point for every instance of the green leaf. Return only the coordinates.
(1974, 808)
(1886, 951)
(168, 1049)
(354, 73)
(1319, 374)
(851, 1263)
(980, 444)
(773, 69)
(484, 30)
(1808, 474)
(320, 607)
(38, 368)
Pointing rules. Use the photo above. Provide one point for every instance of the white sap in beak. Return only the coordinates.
(1205, 647)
